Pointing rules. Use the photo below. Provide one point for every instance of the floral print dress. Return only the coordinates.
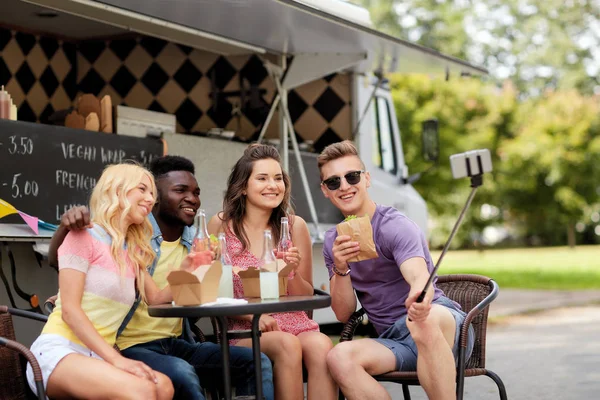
(292, 322)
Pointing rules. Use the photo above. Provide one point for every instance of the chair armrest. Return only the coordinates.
(478, 309)
(191, 332)
(351, 325)
(35, 366)
(23, 313)
(50, 304)
(216, 330)
(199, 335)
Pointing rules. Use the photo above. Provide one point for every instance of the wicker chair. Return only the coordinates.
(13, 384)
(50, 304)
(474, 293)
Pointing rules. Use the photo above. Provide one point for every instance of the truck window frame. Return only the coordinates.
(381, 105)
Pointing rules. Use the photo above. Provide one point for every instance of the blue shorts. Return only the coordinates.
(397, 338)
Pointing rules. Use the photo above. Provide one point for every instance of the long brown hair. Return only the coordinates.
(234, 202)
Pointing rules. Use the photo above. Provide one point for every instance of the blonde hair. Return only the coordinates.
(337, 150)
(109, 208)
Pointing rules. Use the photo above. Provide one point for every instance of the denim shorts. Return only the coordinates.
(397, 338)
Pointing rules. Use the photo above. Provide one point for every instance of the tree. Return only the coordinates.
(542, 129)
(538, 44)
(546, 155)
(471, 114)
(549, 171)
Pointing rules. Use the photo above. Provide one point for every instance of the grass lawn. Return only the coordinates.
(537, 268)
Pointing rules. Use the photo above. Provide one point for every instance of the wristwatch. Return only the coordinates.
(341, 273)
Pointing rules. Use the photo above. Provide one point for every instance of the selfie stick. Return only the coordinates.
(472, 164)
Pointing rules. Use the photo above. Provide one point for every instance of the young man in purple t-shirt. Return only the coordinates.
(387, 288)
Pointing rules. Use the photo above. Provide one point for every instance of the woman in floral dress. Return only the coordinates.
(257, 197)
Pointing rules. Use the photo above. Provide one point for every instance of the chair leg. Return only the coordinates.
(460, 385)
(405, 392)
(499, 383)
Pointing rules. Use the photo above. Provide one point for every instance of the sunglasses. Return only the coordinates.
(335, 182)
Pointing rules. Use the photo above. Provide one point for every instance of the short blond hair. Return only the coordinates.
(337, 150)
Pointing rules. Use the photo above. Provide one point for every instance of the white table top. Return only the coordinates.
(23, 233)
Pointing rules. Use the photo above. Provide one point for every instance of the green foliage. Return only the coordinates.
(471, 115)
(549, 170)
(538, 44)
(545, 152)
(543, 130)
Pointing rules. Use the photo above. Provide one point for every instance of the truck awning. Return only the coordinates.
(283, 27)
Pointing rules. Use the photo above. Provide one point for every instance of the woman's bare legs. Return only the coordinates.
(78, 376)
(315, 346)
(285, 352)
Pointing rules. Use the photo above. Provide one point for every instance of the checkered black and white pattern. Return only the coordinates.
(46, 74)
(38, 72)
(153, 74)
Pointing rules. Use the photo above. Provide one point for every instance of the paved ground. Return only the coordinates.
(550, 355)
(515, 301)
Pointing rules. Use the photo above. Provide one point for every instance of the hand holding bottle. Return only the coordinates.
(291, 257)
(284, 248)
(197, 258)
(285, 245)
(201, 253)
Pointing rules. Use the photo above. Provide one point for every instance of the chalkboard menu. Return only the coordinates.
(45, 170)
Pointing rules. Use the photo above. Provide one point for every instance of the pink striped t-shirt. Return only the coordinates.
(107, 295)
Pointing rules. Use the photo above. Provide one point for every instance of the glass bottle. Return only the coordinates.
(226, 282)
(285, 241)
(269, 281)
(202, 239)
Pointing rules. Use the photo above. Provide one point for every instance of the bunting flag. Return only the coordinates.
(6, 209)
(33, 222)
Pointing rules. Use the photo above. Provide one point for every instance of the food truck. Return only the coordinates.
(206, 78)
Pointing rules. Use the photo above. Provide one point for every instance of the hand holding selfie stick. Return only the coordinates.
(472, 164)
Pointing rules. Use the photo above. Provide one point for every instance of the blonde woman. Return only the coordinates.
(99, 270)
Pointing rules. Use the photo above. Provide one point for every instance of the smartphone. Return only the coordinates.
(471, 163)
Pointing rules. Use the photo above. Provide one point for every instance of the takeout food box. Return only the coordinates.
(251, 279)
(361, 231)
(198, 287)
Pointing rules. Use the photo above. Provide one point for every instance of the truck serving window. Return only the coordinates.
(384, 148)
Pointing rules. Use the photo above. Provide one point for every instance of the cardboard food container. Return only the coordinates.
(361, 231)
(198, 287)
(251, 279)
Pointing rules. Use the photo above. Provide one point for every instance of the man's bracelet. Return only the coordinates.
(341, 273)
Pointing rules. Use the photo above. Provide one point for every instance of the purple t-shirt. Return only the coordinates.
(379, 284)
